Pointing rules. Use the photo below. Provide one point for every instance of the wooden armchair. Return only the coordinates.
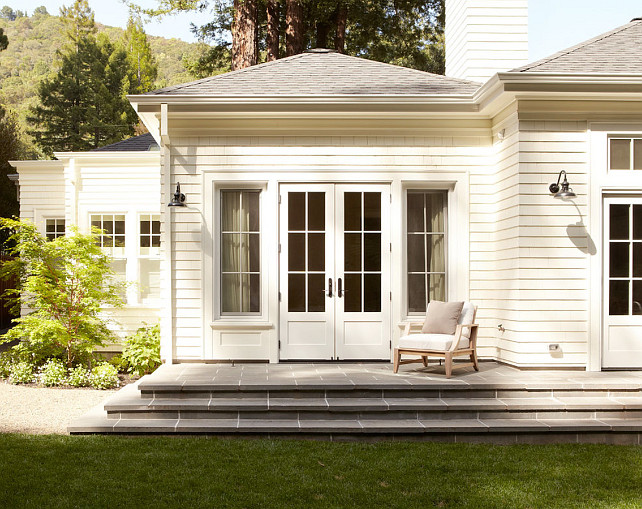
(446, 346)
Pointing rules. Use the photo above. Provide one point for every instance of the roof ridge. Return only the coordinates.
(576, 47)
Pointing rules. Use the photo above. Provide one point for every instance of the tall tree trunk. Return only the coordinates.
(244, 47)
(340, 36)
(323, 27)
(272, 36)
(294, 28)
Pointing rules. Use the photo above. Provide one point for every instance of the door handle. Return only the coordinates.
(329, 287)
(339, 291)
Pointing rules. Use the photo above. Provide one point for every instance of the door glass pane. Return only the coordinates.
(637, 259)
(296, 251)
(637, 222)
(250, 201)
(618, 297)
(352, 212)
(637, 298)
(619, 259)
(416, 253)
(415, 212)
(230, 293)
(316, 292)
(255, 293)
(372, 293)
(230, 201)
(619, 221)
(352, 251)
(255, 252)
(296, 211)
(372, 251)
(417, 293)
(316, 251)
(372, 211)
(435, 253)
(620, 158)
(296, 292)
(637, 154)
(352, 295)
(316, 211)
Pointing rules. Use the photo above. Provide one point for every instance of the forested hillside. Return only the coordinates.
(31, 56)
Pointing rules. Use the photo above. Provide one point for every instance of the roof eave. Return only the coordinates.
(570, 82)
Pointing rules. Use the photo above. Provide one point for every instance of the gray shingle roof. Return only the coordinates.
(616, 52)
(143, 143)
(323, 72)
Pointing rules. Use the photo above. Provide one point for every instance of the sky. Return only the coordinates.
(553, 24)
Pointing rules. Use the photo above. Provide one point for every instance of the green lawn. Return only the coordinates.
(99, 471)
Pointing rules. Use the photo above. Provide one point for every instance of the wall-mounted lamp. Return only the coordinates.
(565, 191)
(501, 135)
(179, 198)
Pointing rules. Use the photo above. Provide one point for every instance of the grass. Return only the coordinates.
(111, 471)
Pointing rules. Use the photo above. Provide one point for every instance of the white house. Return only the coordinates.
(328, 198)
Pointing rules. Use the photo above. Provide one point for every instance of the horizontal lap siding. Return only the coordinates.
(304, 155)
(550, 300)
(42, 190)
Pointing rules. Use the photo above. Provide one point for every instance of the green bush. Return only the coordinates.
(21, 373)
(104, 376)
(53, 373)
(142, 350)
(78, 377)
(119, 363)
(5, 364)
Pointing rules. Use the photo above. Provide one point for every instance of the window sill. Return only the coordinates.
(238, 324)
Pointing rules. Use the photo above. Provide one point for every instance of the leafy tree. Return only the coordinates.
(84, 105)
(142, 63)
(8, 13)
(65, 282)
(40, 11)
(11, 148)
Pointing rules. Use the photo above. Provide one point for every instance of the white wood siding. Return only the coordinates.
(484, 37)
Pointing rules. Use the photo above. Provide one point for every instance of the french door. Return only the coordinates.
(334, 271)
(622, 332)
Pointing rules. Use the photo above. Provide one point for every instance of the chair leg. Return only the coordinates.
(424, 358)
(449, 364)
(473, 358)
(397, 358)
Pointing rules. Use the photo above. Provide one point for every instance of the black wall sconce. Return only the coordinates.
(565, 191)
(179, 198)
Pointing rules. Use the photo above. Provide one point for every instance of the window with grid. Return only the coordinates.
(426, 248)
(54, 228)
(149, 257)
(112, 240)
(625, 153)
(240, 252)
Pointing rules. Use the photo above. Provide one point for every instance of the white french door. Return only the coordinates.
(334, 271)
(622, 331)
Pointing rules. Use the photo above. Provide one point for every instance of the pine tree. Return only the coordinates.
(11, 148)
(84, 106)
(144, 69)
(4, 41)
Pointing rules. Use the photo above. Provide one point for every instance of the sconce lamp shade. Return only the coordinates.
(179, 198)
(564, 191)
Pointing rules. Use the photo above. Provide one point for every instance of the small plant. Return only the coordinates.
(21, 373)
(53, 373)
(142, 350)
(78, 377)
(104, 376)
(5, 364)
(119, 363)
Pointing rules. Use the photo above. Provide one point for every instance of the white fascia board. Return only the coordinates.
(564, 82)
(47, 164)
(101, 158)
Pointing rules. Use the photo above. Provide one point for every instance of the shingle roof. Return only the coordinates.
(323, 72)
(616, 52)
(142, 143)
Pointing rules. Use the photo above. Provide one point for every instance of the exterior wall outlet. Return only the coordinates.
(554, 347)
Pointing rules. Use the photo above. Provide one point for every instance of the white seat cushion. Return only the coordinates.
(466, 317)
(440, 342)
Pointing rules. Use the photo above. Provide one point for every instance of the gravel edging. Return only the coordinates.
(44, 410)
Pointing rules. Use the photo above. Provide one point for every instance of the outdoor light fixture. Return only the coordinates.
(179, 198)
(565, 191)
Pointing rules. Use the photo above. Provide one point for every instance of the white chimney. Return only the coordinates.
(484, 37)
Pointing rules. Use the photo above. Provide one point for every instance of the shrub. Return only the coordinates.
(21, 373)
(119, 363)
(142, 350)
(66, 282)
(78, 377)
(53, 373)
(5, 364)
(103, 376)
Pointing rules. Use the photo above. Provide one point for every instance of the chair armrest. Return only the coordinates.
(411, 325)
(458, 332)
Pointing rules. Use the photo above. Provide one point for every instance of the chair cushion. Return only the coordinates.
(442, 317)
(440, 342)
(466, 317)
